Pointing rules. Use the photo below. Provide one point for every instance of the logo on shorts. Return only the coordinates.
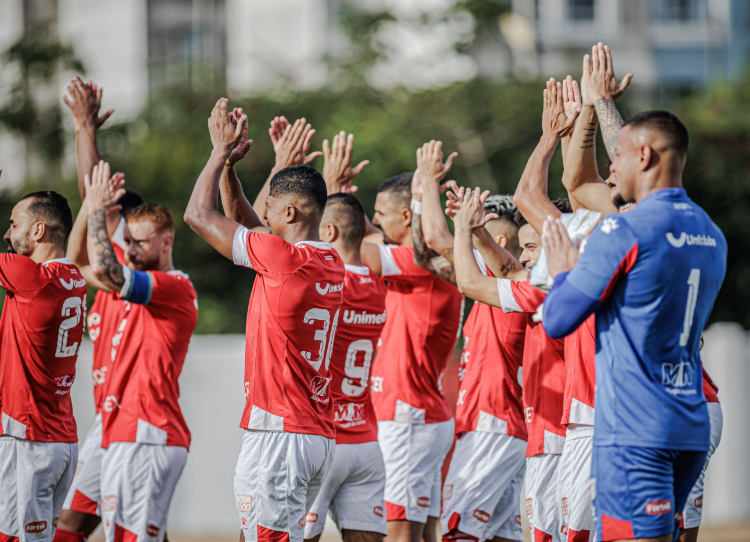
(312, 518)
(565, 506)
(243, 519)
(378, 511)
(657, 508)
(518, 519)
(109, 503)
(152, 530)
(481, 516)
(244, 503)
(424, 502)
(699, 501)
(678, 517)
(529, 506)
(36, 526)
(55, 521)
(447, 491)
(564, 530)
(302, 522)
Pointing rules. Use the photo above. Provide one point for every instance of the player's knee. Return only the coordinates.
(351, 535)
(73, 522)
(689, 535)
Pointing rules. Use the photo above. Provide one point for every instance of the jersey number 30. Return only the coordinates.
(325, 335)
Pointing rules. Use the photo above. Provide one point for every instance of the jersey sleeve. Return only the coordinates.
(21, 275)
(517, 296)
(398, 264)
(481, 263)
(159, 289)
(265, 252)
(138, 287)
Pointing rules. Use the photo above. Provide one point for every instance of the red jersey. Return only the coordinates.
(361, 320)
(154, 326)
(543, 371)
(580, 380)
(490, 374)
(710, 390)
(291, 325)
(102, 323)
(424, 319)
(41, 331)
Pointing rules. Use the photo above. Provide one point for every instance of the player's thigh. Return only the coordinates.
(359, 502)
(84, 494)
(351, 535)
(316, 515)
(404, 531)
(506, 519)
(575, 488)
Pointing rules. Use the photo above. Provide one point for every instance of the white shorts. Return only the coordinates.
(278, 476)
(138, 481)
(694, 507)
(84, 494)
(543, 497)
(482, 493)
(34, 478)
(413, 455)
(575, 483)
(352, 492)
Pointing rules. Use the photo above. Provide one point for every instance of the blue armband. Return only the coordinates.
(138, 286)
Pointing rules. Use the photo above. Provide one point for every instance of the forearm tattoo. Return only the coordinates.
(589, 135)
(426, 258)
(103, 255)
(611, 122)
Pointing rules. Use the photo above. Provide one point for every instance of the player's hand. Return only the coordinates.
(291, 148)
(337, 164)
(469, 214)
(554, 120)
(417, 188)
(103, 191)
(243, 146)
(598, 79)
(85, 100)
(571, 95)
(562, 255)
(225, 136)
(276, 131)
(430, 162)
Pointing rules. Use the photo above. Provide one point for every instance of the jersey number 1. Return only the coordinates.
(693, 282)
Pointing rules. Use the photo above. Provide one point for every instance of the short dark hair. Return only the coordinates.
(303, 181)
(502, 206)
(400, 187)
(562, 205)
(52, 209)
(158, 215)
(666, 124)
(347, 213)
(129, 201)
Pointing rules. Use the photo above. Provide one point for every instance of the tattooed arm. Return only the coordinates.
(104, 263)
(611, 121)
(427, 258)
(500, 261)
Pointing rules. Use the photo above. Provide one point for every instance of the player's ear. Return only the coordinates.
(37, 231)
(168, 241)
(290, 213)
(501, 240)
(647, 158)
(406, 216)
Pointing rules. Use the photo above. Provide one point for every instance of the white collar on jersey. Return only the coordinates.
(178, 272)
(358, 269)
(317, 244)
(65, 261)
(118, 238)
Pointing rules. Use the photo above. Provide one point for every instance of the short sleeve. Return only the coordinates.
(481, 263)
(20, 274)
(398, 263)
(265, 252)
(138, 286)
(516, 296)
(608, 254)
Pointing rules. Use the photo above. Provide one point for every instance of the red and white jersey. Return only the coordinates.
(154, 326)
(291, 325)
(490, 374)
(580, 380)
(424, 320)
(361, 321)
(41, 331)
(102, 323)
(543, 371)
(710, 390)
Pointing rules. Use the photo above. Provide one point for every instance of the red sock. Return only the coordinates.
(62, 535)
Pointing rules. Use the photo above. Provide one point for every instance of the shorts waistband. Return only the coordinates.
(576, 431)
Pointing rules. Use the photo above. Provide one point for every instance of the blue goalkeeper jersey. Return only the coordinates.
(652, 275)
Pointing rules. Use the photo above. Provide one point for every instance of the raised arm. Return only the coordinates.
(291, 143)
(202, 213)
(531, 194)
(426, 188)
(84, 100)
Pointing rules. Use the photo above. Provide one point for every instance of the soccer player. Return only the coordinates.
(652, 429)
(288, 445)
(144, 434)
(581, 178)
(81, 514)
(481, 495)
(415, 422)
(353, 489)
(41, 332)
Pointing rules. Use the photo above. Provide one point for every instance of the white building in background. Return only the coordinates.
(133, 47)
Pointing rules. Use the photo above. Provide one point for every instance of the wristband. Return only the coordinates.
(416, 207)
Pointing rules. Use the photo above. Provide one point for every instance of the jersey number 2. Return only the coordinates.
(72, 304)
(693, 282)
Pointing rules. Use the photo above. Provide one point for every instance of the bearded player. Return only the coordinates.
(288, 445)
(481, 495)
(81, 513)
(41, 332)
